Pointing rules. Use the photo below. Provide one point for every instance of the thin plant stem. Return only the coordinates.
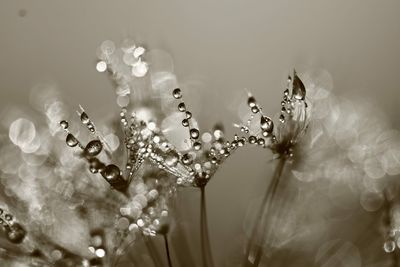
(270, 208)
(205, 238)
(167, 250)
(263, 210)
(153, 251)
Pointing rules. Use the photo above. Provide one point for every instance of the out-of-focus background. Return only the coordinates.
(219, 48)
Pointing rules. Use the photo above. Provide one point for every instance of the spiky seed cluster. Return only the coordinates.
(207, 151)
(153, 167)
(293, 120)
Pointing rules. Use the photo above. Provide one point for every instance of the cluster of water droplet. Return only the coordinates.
(145, 141)
(207, 151)
(292, 118)
(148, 191)
(110, 172)
(14, 231)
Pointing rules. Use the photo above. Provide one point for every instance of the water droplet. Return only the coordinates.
(261, 141)
(8, 217)
(234, 144)
(93, 148)
(188, 115)
(289, 79)
(177, 93)
(197, 145)
(251, 102)
(286, 92)
(16, 233)
(252, 139)
(389, 246)
(194, 133)
(255, 109)
(187, 159)
(241, 142)
(95, 165)
(111, 173)
(90, 126)
(185, 122)
(172, 158)
(64, 124)
(71, 140)
(182, 107)
(266, 124)
(84, 118)
(93, 169)
(282, 118)
(299, 90)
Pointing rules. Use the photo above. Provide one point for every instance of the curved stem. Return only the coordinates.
(167, 250)
(205, 238)
(254, 244)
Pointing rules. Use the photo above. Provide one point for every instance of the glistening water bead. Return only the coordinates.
(64, 124)
(389, 246)
(93, 148)
(177, 93)
(71, 140)
(113, 176)
(185, 122)
(251, 101)
(299, 90)
(252, 139)
(194, 133)
(255, 109)
(111, 173)
(181, 107)
(282, 118)
(266, 124)
(15, 233)
(84, 118)
(197, 145)
(95, 165)
(187, 159)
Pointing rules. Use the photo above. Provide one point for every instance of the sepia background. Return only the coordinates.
(219, 48)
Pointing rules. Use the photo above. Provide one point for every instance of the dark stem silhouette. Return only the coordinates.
(205, 238)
